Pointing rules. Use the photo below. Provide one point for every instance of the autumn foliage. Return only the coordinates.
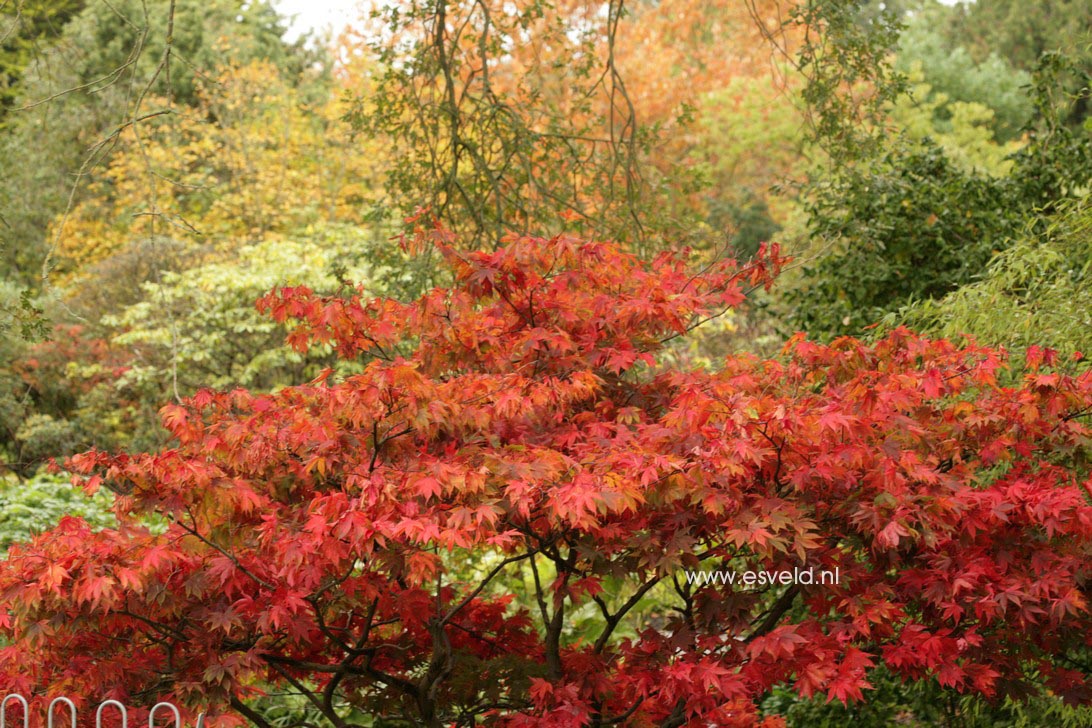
(491, 519)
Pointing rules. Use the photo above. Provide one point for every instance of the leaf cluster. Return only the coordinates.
(317, 533)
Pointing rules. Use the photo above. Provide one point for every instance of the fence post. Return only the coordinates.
(157, 706)
(98, 714)
(4, 707)
(71, 711)
(120, 707)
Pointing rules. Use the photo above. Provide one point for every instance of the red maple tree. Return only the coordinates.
(490, 520)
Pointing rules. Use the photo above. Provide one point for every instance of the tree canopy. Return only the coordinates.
(519, 416)
(492, 363)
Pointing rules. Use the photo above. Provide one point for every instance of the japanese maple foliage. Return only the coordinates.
(490, 522)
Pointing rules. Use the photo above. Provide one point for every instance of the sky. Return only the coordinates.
(318, 14)
(336, 14)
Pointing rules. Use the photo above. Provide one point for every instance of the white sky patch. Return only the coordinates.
(319, 15)
(334, 15)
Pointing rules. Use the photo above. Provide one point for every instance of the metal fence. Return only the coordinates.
(63, 702)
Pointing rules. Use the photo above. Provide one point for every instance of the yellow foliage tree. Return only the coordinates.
(254, 159)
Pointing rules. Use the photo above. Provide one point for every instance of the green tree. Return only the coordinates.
(893, 219)
(29, 507)
(910, 225)
(61, 396)
(951, 71)
(26, 27)
(1036, 293)
(199, 326)
(963, 130)
(1021, 32)
(749, 141)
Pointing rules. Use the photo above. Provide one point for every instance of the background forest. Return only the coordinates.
(164, 164)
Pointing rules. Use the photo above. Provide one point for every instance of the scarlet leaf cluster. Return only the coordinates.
(427, 537)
